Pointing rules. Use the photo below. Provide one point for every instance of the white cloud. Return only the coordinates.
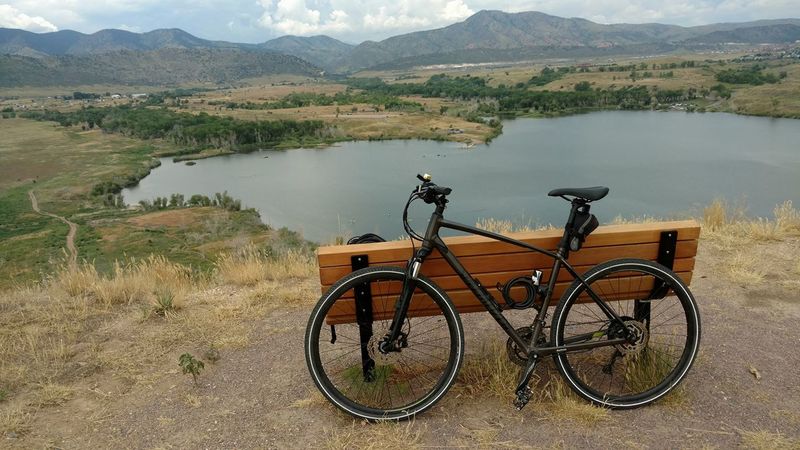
(357, 20)
(131, 28)
(11, 17)
(304, 17)
(455, 10)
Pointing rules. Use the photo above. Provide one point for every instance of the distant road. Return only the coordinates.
(73, 229)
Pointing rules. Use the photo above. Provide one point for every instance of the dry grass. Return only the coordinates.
(764, 440)
(715, 216)
(82, 323)
(722, 221)
(314, 399)
(250, 266)
(490, 372)
(155, 280)
(52, 395)
(504, 226)
(563, 404)
(14, 420)
(744, 269)
(384, 435)
(621, 220)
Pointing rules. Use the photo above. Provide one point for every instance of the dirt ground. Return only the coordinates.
(742, 391)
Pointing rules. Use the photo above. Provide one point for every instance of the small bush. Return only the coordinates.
(190, 365)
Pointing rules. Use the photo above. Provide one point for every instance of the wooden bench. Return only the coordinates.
(673, 244)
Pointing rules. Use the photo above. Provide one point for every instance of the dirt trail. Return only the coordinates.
(73, 229)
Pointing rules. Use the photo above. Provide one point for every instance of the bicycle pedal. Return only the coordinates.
(523, 397)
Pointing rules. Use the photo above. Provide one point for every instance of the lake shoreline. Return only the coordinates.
(535, 155)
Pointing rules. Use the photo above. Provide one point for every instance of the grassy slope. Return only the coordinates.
(62, 165)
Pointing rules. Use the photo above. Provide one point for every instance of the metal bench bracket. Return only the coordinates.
(363, 296)
(666, 257)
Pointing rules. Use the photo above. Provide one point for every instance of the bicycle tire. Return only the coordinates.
(344, 381)
(656, 363)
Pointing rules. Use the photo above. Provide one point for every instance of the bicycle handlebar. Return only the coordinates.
(430, 192)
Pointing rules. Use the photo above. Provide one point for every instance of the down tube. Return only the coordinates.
(483, 296)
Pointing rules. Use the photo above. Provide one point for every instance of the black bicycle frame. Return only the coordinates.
(433, 241)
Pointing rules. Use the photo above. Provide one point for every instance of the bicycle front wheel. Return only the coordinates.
(665, 324)
(342, 346)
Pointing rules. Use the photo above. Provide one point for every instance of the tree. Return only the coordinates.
(583, 86)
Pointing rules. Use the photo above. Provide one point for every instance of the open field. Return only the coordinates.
(91, 361)
(781, 99)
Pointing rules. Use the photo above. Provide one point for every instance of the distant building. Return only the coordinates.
(116, 96)
(138, 95)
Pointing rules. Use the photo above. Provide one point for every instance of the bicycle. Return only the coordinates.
(610, 354)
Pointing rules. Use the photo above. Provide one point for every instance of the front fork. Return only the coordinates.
(394, 339)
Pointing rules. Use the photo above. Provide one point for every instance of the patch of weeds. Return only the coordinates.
(164, 301)
(3, 394)
(763, 439)
(313, 399)
(384, 435)
(14, 421)
(52, 395)
(489, 371)
(211, 354)
(565, 405)
(743, 269)
(192, 400)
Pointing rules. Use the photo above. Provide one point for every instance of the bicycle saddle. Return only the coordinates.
(589, 194)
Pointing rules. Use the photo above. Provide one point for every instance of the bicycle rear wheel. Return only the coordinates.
(349, 369)
(665, 322)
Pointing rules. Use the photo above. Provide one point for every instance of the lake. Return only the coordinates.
(667, 164)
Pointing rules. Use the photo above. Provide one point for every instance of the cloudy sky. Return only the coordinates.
(354, 20)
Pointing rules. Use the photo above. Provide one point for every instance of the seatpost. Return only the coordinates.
(563, 246)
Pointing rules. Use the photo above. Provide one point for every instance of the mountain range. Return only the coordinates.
(485, 36)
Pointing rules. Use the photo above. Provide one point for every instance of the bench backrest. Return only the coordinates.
(495, 262)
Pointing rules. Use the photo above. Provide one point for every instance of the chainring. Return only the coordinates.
(517, 355)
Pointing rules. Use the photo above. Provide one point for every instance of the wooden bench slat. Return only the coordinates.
(435, 267)
(490, 280)
(607, 235)
(465, 301)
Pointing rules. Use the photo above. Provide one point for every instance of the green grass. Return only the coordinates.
(28, 241)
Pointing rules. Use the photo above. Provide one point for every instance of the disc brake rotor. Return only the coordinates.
(641, 337)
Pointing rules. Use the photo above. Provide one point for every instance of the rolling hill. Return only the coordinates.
(487, 36)
(319, 50)
(510, 33)
(166, 66)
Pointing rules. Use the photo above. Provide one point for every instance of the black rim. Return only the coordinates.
(396, 384)
(637, 371)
